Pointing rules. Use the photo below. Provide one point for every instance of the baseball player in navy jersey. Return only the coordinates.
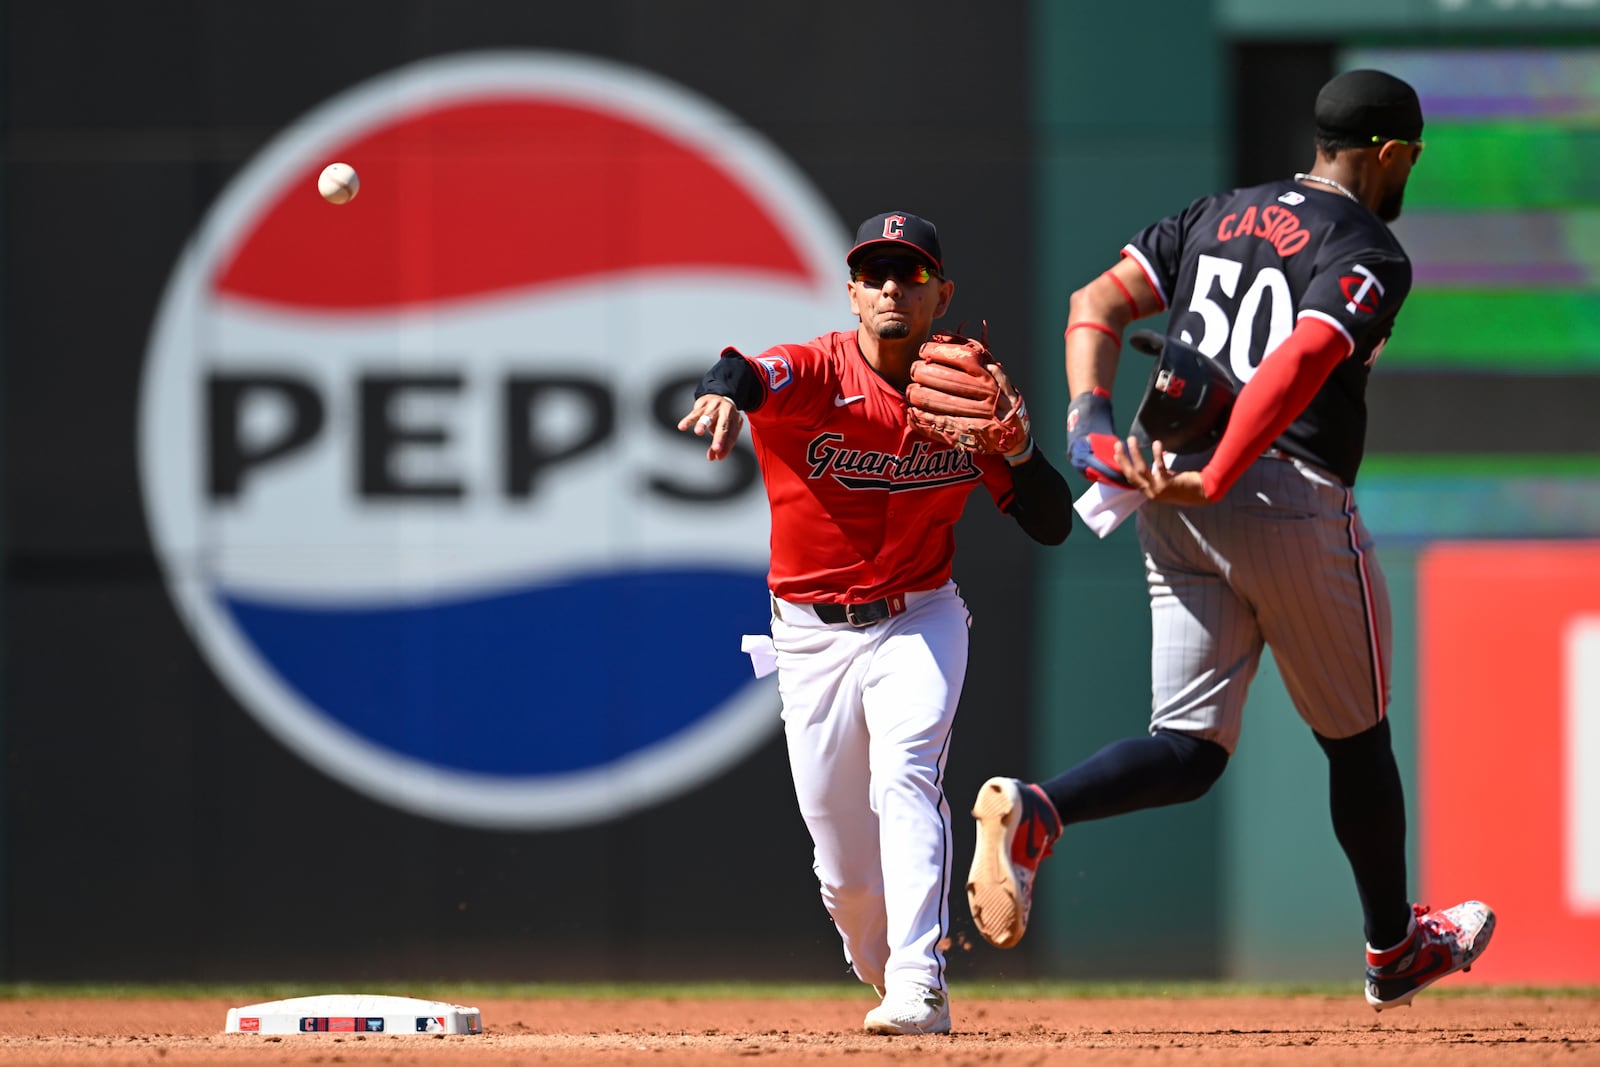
(869, 630)
(1295, 285)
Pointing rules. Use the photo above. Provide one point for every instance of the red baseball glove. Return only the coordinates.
(960, 395)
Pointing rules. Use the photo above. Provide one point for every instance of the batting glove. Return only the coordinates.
(1091, 438)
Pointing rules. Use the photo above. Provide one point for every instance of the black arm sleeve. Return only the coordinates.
(733, 378)
(1041, 502)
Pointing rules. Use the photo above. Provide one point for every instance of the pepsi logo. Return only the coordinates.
(411, 468)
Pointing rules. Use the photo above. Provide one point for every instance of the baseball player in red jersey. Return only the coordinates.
(869, 630)
(1294, 285)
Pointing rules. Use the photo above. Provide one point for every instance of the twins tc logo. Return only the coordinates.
(1362, 290)
(411, 465)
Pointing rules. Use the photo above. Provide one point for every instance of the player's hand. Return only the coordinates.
(717, 416)
(1094, 456)
(1154, 479)
(1092, 438)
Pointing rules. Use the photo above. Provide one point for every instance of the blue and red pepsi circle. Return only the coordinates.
(410, 466)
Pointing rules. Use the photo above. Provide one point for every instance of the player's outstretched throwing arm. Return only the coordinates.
(728, 388)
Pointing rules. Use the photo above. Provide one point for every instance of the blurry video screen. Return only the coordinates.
(1502, 215)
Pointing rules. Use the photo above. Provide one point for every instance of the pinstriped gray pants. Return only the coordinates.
(1283, 560)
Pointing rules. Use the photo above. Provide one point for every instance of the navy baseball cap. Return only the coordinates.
(902, 230)
(1369, 104)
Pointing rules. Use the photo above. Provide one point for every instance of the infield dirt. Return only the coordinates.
(1472, 1029)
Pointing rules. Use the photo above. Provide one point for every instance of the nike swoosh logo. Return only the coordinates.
(1034, 844)
(841, 401)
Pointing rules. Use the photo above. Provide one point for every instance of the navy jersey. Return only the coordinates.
(1238, 269)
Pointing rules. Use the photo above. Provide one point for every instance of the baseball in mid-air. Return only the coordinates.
(338, 183)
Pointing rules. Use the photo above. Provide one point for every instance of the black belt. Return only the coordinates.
(860, 614)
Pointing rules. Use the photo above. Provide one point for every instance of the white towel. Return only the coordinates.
(1103, 507)
(763, 655)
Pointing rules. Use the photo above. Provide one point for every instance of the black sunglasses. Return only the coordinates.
(874, 272)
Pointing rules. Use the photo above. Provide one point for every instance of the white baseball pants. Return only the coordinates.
(868, 714)
(1284, 561)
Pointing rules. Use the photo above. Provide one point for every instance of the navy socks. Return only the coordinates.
(1137, 773)
(1369, 819)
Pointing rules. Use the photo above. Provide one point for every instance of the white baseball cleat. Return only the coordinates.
(910, 1009)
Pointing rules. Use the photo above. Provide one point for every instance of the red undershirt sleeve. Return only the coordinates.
(1273, 398)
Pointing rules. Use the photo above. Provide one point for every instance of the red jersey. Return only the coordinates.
(862, 506)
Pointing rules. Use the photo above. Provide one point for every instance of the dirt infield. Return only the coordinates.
(1471, 1029)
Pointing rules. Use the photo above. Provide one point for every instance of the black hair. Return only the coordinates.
(1329, 144)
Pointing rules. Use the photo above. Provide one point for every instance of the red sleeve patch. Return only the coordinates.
(777, 371)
